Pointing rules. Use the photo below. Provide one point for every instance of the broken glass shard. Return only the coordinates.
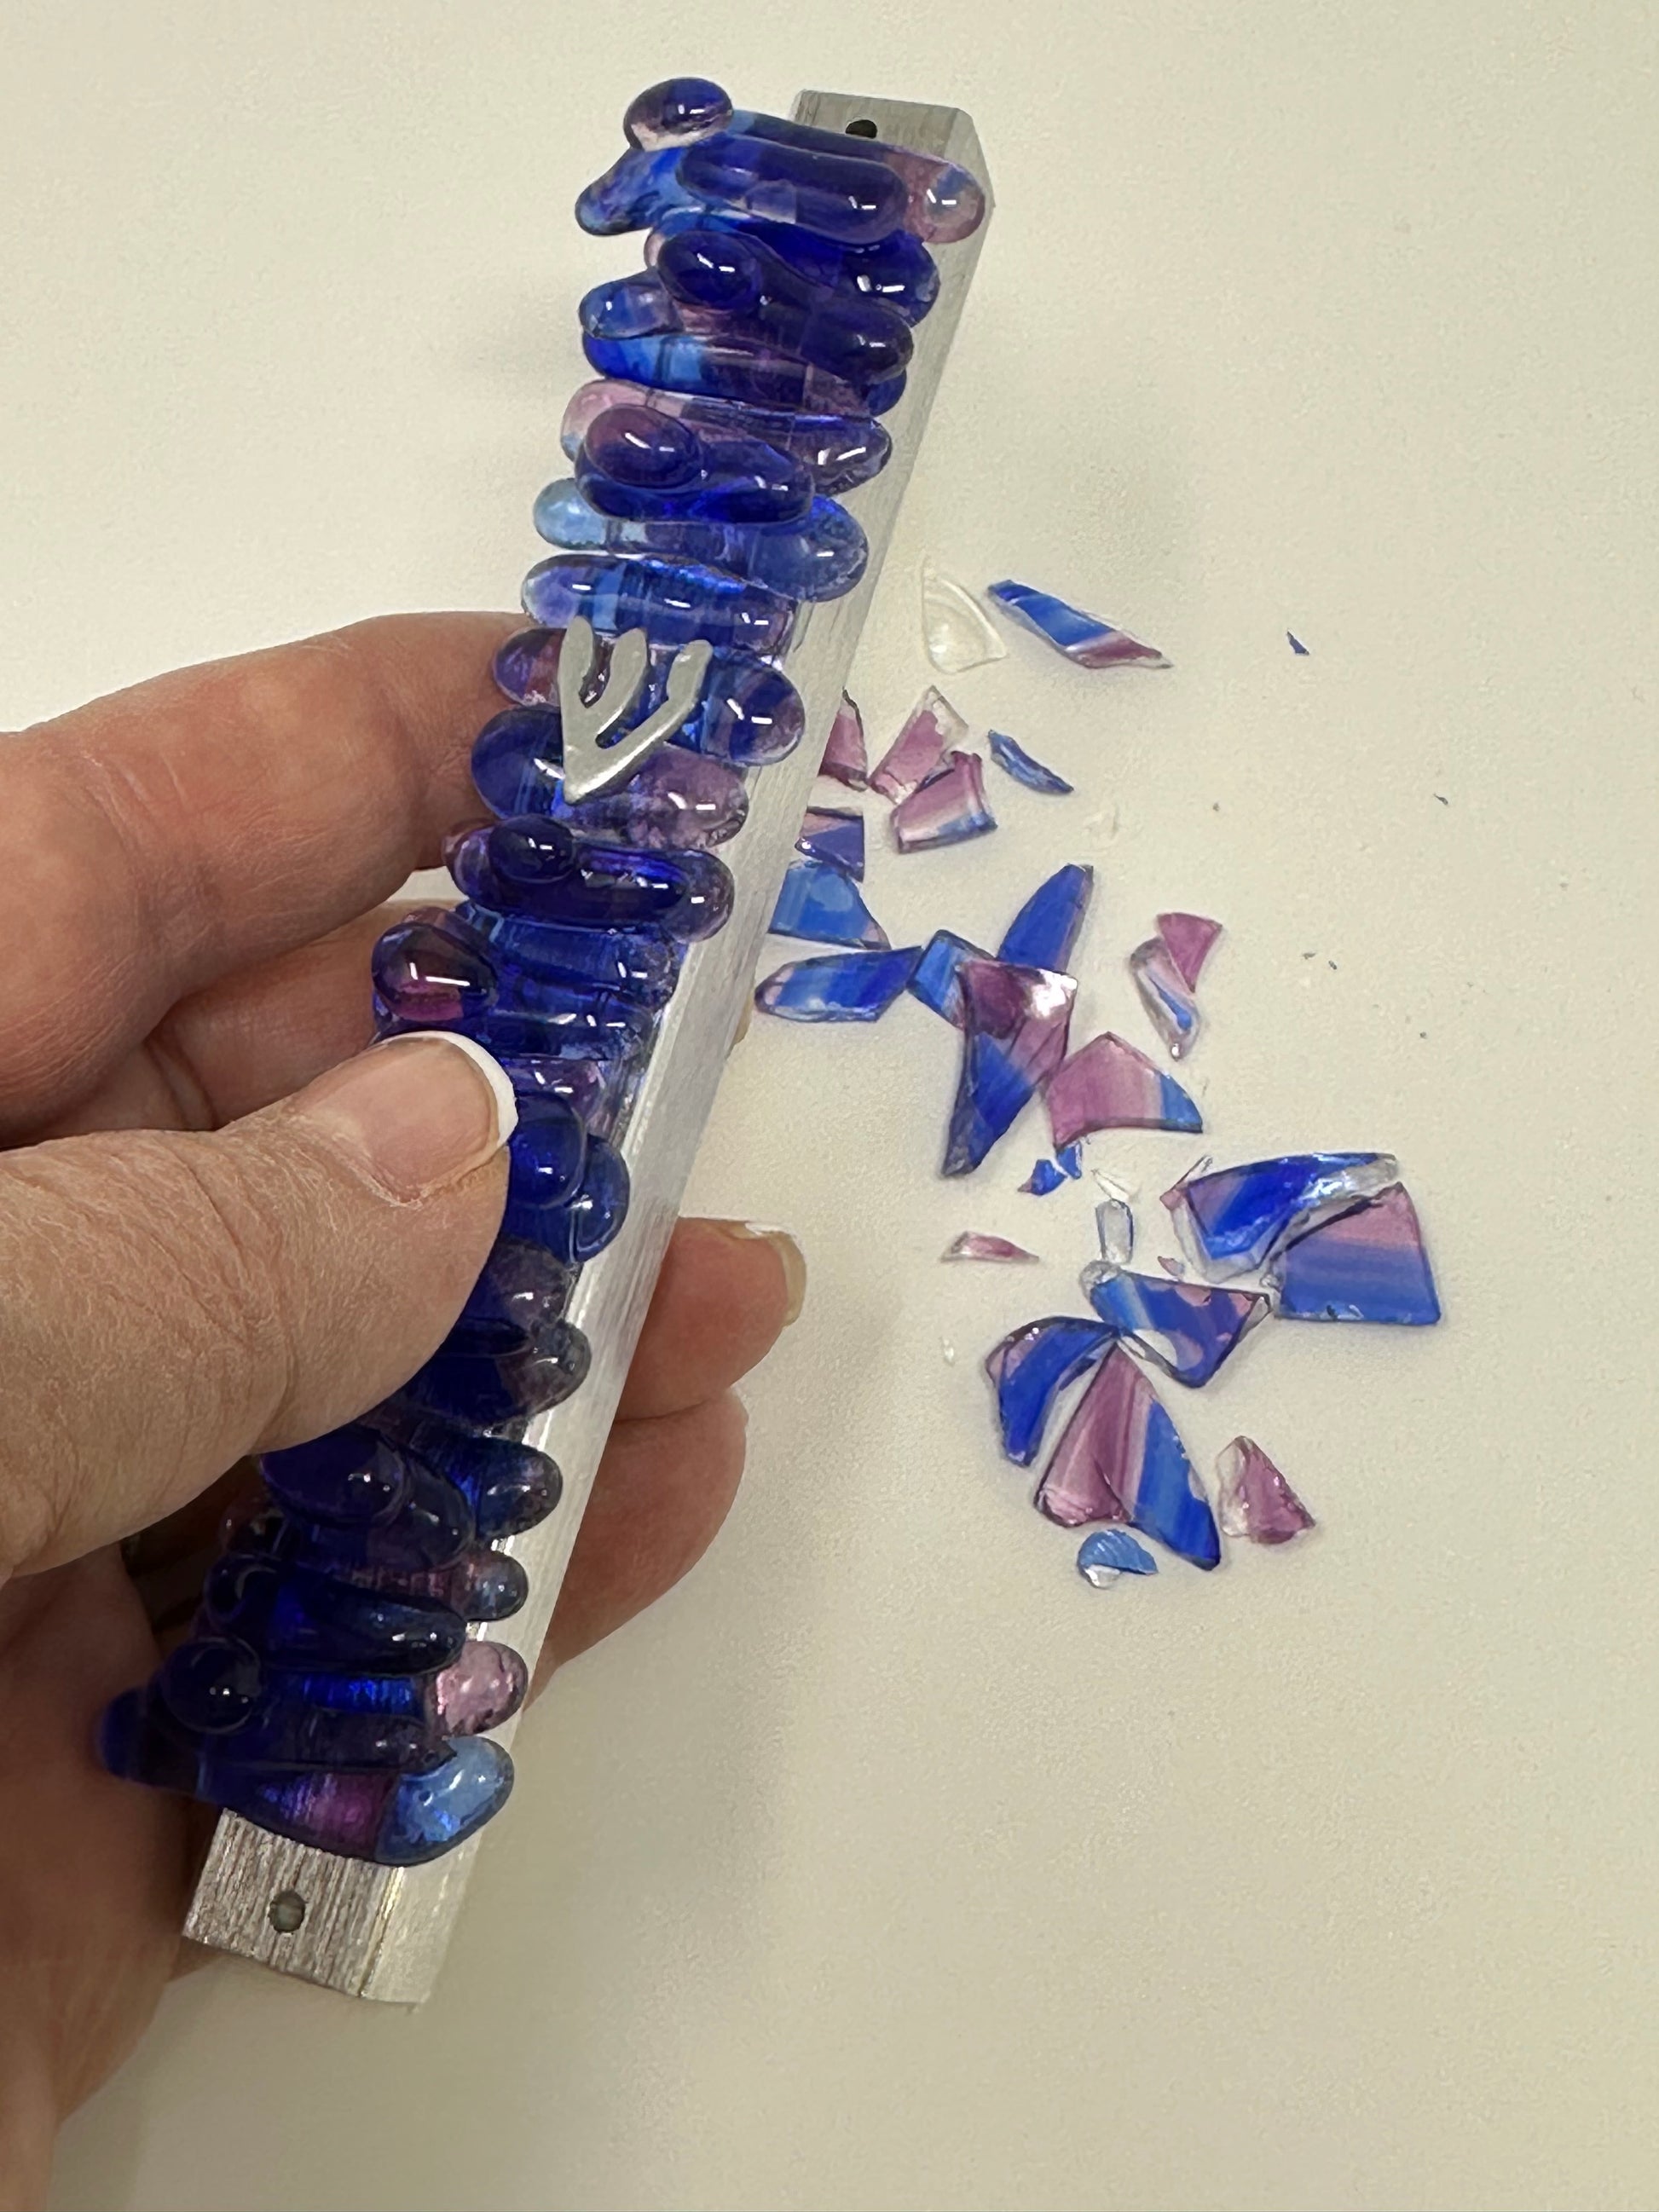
(838, 986)
(1081, 637)
(1367, 1265)
(1173, 1267)
(955, 628)
(1114, 1225)
(1014, 1022)
(1188, 939)
(844, 756)
(819, 902)
(948, 809)
(1107, 1085)
(1042, 933)
(1030, 1369)
(837, 834)
(1170, 1006)
(1045, 1177)
(1109, 1553)
(937, 981)
(980, 1244)
(1186, 1328)
(1297, 644)
(1234, 1218)
(1019, 764)
(1069, 1160)
(1253, 1498)
(932, 727)
(1119, 1459)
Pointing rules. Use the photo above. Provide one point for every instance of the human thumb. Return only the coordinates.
(168, 1302)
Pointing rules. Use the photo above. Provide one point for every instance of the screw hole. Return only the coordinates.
(287, 1911)
(864, 128)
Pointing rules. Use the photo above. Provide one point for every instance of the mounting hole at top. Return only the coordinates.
(863, 128)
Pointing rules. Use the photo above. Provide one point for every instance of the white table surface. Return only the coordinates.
(884, 1865)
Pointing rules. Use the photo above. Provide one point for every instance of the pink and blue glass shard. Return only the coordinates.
(1044, 932)
(1107, 1085)
(937, 978)
(1030, 1369)
(1187, 1328)
(932, 728)
(1016, 762)
(1253, 1500)
(821, 903)
(1366, 1265)
(834, 834)
(1166, 969)
(844, 756)
(1046, 1176)
(1015, 1022)
(1069, 1160)
(981, 1244)
(1235, 1218)
(1106, 1554)
(1083, 638)
(837, 987)
(948, 809)
(1119, 1459)
(1189, 939)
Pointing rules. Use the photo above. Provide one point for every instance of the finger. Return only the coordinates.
(176, 832)
(246, 1041)
(168, 1302)
(727, 1291)
(664, 1488)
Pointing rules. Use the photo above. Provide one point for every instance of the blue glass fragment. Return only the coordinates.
(1030, 1368)
(673, 602)
(1119, 1459)
(838, 986)
(1297, 644)
(1366, 1265)
(819, 902)
(834, 834)
(1238, 1216)
(1045, 1177)
(937, 981)
(1109, 1553)
(820, 558)
(1069, 1159)
(1200, 1323)
(1024, 769)
(1045, 930)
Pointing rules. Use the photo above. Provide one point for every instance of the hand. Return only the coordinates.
(221, 1233)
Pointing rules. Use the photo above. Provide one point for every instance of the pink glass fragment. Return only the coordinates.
(947, 809)
(980, 1244)
(1015, 1023)
(1188, 937)
(1119, 1459)
(1107, 1085)
(844, 757)
(484, 1685)
(1177, 1268)
(1253, 1498)
(933, 726)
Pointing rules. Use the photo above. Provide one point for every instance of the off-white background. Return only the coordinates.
(884, 1865)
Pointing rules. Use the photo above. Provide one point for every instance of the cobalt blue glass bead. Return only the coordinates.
(942, 201)
(546, 1154)
(597, 1088)
(840, 450)
(714, 367)
(898, 270)
(351, 1477)
(643, 965)
(426, 973)
(679, 109)
(578, 1230)
(676, 799)
(552, 1018)
(212, 1684)
(672, 602)
(749, 713)
(529, 865)
(821, 186)
(520, 1289)
(295, 1731)
(757, 295)
(429, 1813)
(821, 558)
(510, 1487)
(294, 1615)
(430, 1528)
(488, 1389)
(636, 463)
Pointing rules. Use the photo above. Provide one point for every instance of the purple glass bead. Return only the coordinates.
(943, 202)
(897, 270)
(509, 1487)
(749, 713)
(758, 295)
(546, 1154)
(638, 465)
(299, 1617)
(675, 799)
(706, 364)
(427, 975)
(674, 113)
(485, 1686)
(351, 1477)
(841, 451)
(486, 1388)
(821, 558)
(672, 602)
(212, 1684)
(529, 865)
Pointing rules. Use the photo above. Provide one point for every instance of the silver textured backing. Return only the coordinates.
(381, 1932)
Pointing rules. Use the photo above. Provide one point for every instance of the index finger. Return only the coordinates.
(169, 835)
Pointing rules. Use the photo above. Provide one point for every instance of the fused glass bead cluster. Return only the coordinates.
(335, 1688)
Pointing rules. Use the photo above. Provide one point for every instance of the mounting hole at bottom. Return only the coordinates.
(864, 128)
(287, 1911)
